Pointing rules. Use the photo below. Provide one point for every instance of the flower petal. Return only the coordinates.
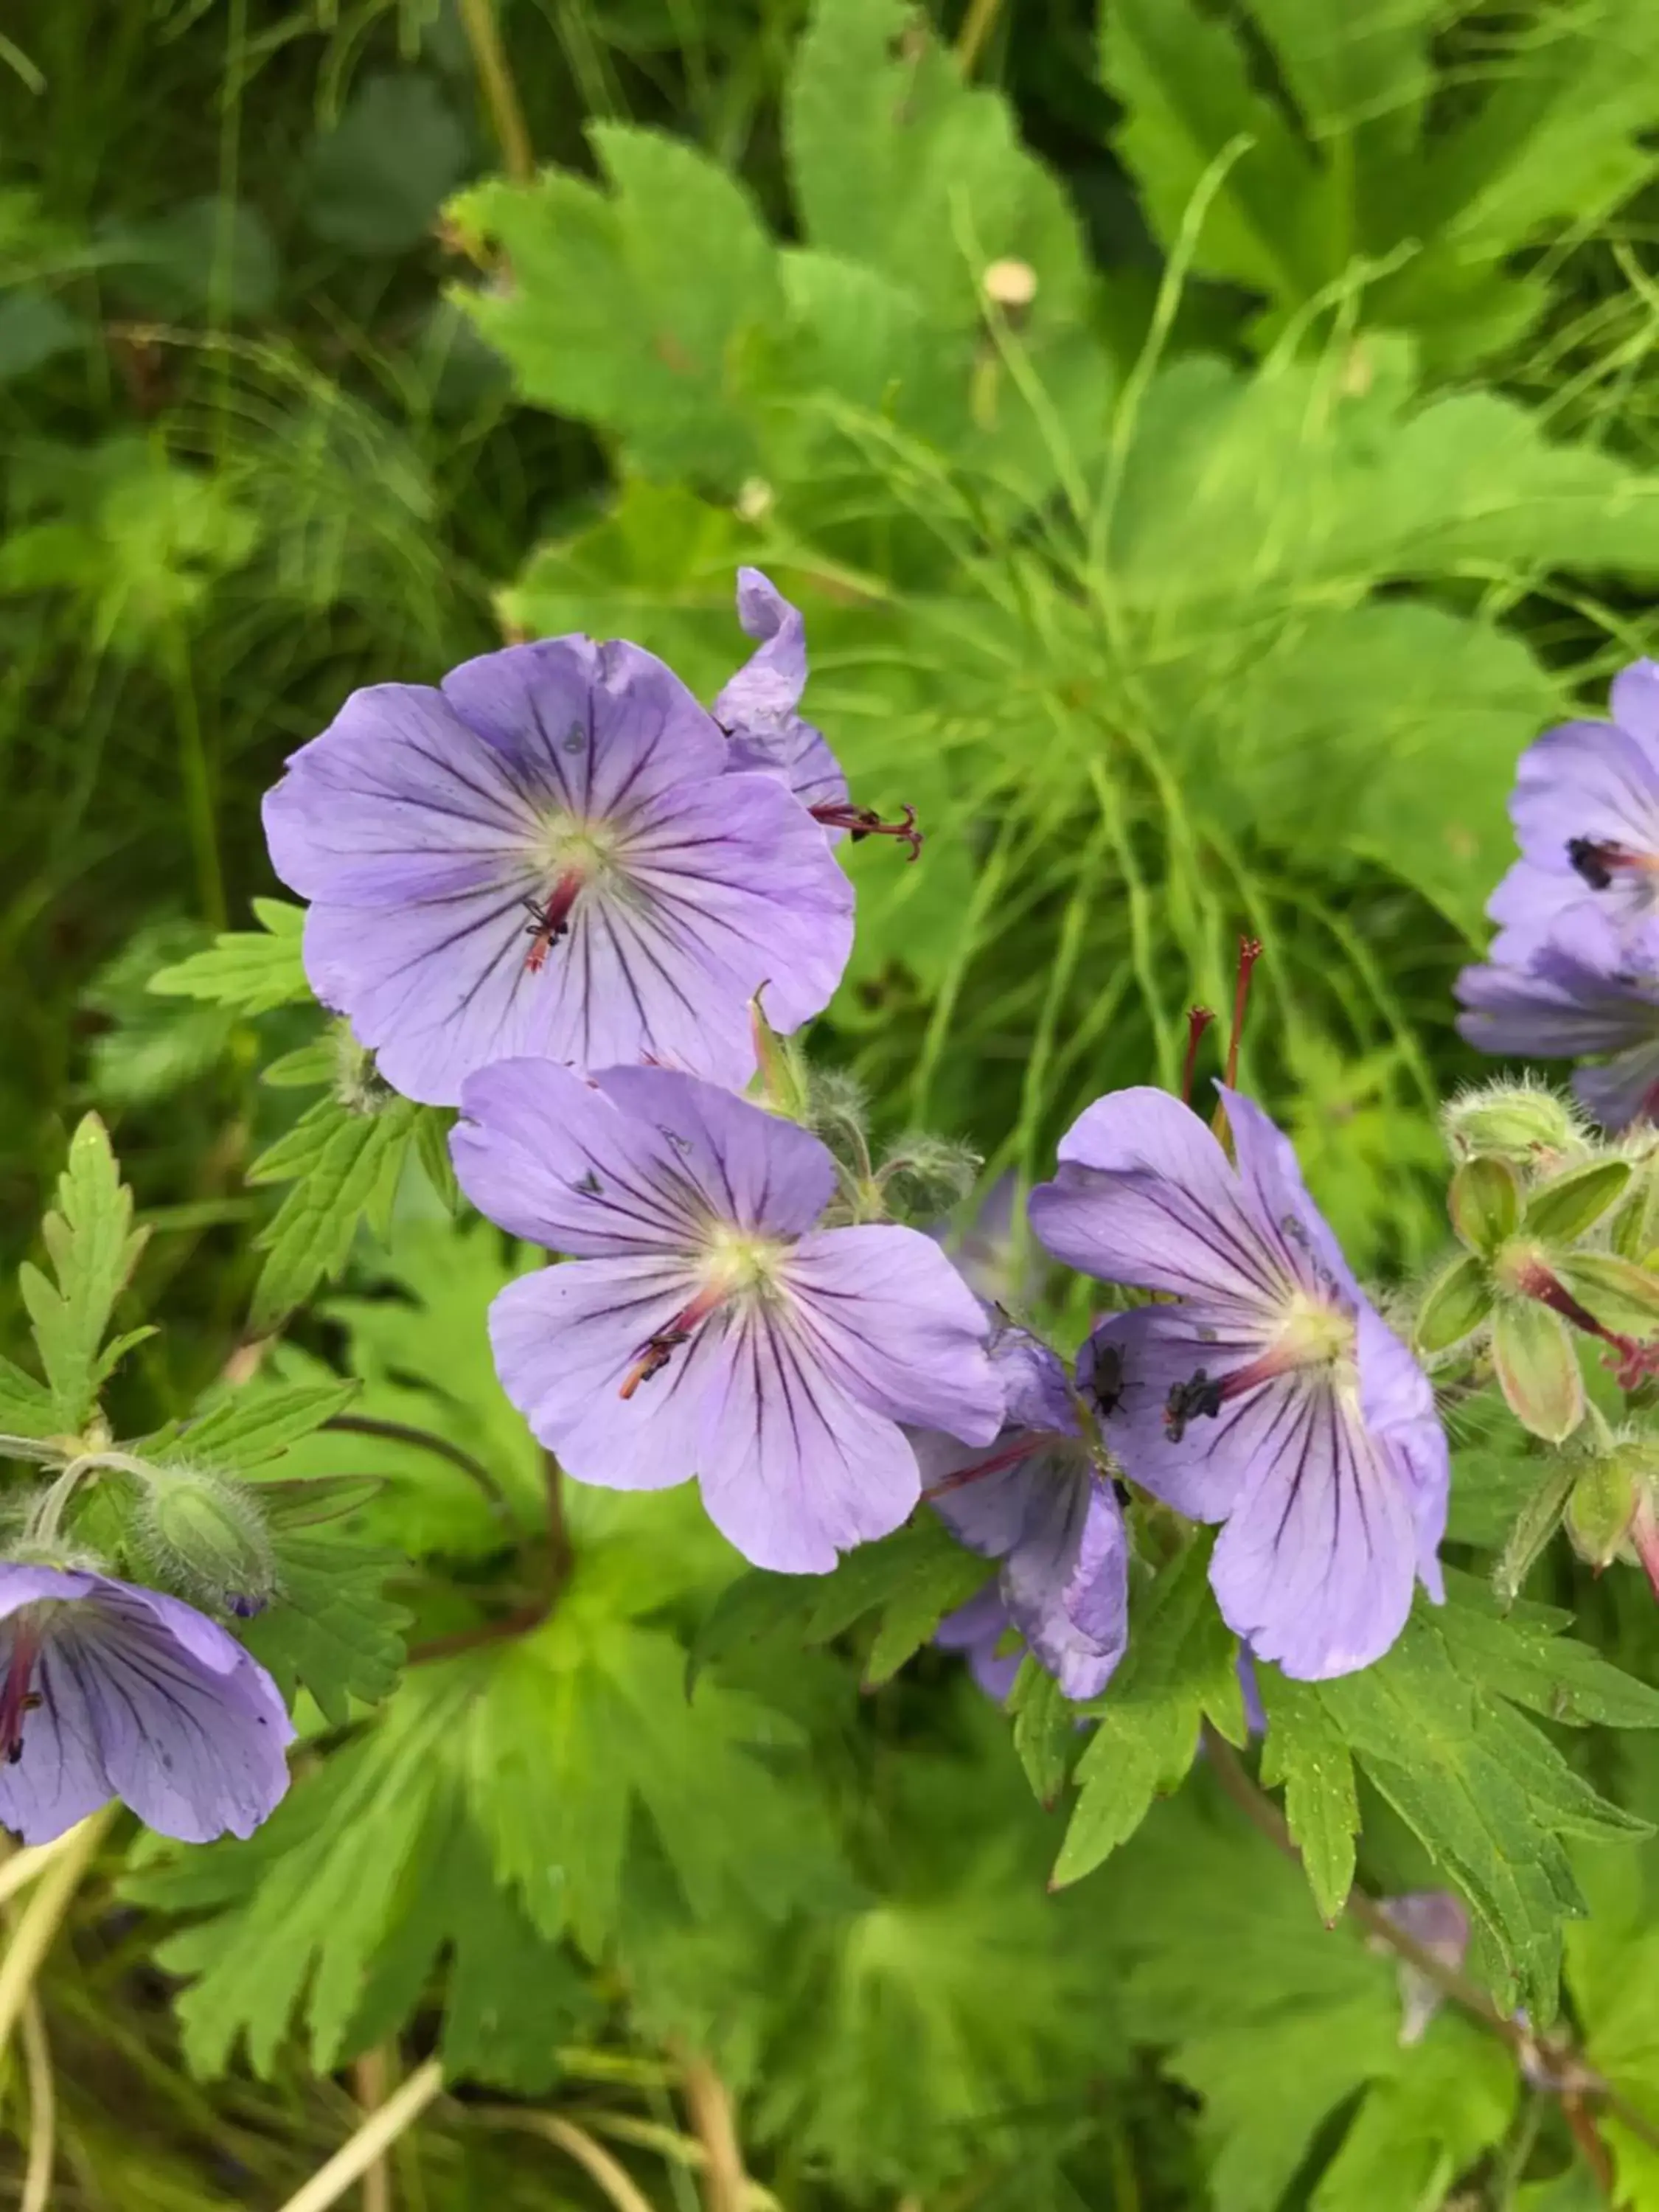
(397, 799)
(598, 729)
(1625, 1090)
(639, 1160)
(1286, 1217)
(1317, 1565)
(565, 1340)
(1398, 1400)
(895, 1326)
(766, 690)
(1145, 1353)
(1144, 1195)
(794, 1469)
(975, 1630)
(1066, 1582)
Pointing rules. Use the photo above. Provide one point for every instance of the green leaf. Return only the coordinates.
(1305, 1751)
(94, 1249)
(342, 1167)
(375, 183)
(253, 970)
(28, 1408)
(1489, 1796)
(331, 1629)
(1045, 1731)
(257, 1423)
(1180, 1668)
(899, 164)
(1521, 1653)
(647, 311)
(1452, 2098)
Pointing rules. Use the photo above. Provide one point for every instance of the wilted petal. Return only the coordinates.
(889, 1318)
(1066, 1580)
(794, 1468)
(758, 706)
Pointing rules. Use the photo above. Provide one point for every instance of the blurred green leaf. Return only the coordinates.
(374, 184)
(92, 1249)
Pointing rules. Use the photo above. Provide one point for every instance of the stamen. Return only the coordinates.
(995, 1465)
(1250, 952)
(864, 822)
(1199, 1018)
(549, 922)
(1598, 860)
(16, 1698)
(1204, 1394)
(657, 1351)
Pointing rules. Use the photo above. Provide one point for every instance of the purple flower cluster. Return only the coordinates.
(1573, 972)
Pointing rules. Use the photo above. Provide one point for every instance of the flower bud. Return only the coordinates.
(205, 1531)
(1537, 1370)
(1602, 1507)
(1484, 1203)
(1522, 1122)
(1458, 1303)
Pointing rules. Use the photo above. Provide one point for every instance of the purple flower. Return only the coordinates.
(1590, 988)
(1440, 1924)
(1270, 1396)
(758, 710)
(1036, 1501)
(706, 1325)
(1586, 814)
(979, 1631)
(112, 1691)
(548, 855)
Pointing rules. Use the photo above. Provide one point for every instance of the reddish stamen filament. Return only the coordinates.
(864, 822)
(1198, 1020)
(16, 1698)
(657, 1351)
(1250, 952)
(1636, 1361)
(549, 922)
(994, 1465)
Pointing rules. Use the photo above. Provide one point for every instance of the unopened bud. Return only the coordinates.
(782, 1067)
(1524, 1123)
(1537, 1370)
(1602, 1506)
(205, 1530)
(1010, 285)
(931, 1174)
(1484, 1203)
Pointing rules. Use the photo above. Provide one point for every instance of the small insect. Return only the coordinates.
(658, 1351)
(548, 923)
(1589, 861)
(1105, 1384)
(1187, 1401)
(589, 1185)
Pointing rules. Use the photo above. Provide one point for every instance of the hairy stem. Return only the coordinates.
(42, 1917)
(362, 2151)
(1548, 2062)
(402, 1432)
(370, 2078)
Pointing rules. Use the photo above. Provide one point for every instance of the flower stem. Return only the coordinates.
(611, 2178)
(709, 2103)
(41, 1917)
(1550, 2063)
(976, 28)
(402, 1432)
(359, 2153)
(43, 2110)
(500, 94)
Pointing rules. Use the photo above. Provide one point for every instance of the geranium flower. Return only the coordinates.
(759, 709)
(1270, 1396)
(705, 1324)
(113, 1691)
(1036, 1501)
(551, 855)
(1590, 989)
(1586, 814)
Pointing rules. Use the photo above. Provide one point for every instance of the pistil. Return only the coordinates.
(1599, 860)
(864, 822)
(551, 919)
(16, 1698)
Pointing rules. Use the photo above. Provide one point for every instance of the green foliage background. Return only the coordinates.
(1214, 586)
